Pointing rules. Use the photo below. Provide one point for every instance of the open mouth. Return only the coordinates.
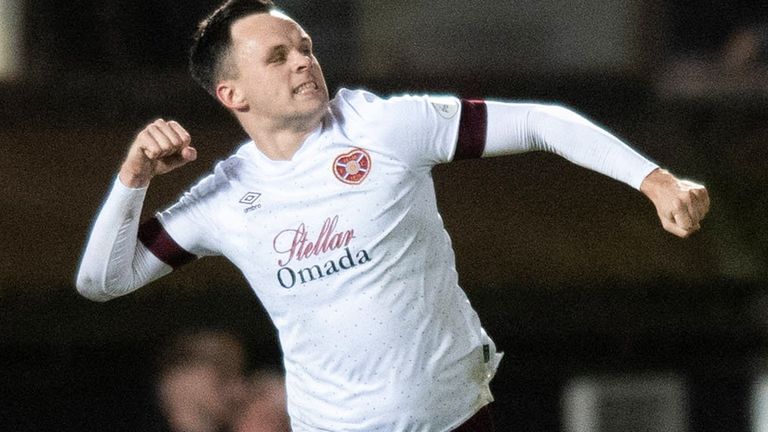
(306, 87)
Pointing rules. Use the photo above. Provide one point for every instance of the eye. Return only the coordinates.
(278, 56)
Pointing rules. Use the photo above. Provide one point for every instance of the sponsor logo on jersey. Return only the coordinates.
(250, 199)
(295, 244)
(353, 167)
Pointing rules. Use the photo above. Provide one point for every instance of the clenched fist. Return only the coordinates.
(680, 204)
(160, 147)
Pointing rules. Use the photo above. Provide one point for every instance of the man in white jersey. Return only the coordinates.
(330, 214)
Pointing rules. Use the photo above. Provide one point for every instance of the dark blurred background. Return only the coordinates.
(608, 322)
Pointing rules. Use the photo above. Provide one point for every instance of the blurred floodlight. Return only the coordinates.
(644, 402)
(760, 405)
(10, 39)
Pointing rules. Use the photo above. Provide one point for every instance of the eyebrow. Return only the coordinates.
(276, 51)
(280, 49)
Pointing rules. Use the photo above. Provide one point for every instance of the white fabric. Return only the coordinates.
(114, 262)
(359, 279)
(515, 128)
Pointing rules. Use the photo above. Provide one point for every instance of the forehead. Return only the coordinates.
(265, 30)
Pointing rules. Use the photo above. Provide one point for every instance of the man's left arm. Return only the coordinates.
(514, 128)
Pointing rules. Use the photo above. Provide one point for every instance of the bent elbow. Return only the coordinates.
(91, 288)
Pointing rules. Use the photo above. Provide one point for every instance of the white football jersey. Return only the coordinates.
(345, 248)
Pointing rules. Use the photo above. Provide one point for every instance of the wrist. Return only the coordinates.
(657, 179)
(134, 179)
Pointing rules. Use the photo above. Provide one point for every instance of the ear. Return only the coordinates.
(230, 96)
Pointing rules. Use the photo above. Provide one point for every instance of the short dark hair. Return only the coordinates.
(212, 41)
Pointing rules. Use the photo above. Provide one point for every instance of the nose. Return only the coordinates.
(303, 62)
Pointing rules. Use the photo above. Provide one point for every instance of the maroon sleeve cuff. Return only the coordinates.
(152, 234)
(472, 129)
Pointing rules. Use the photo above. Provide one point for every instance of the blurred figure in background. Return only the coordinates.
(202, 386)
(266, 409)
(745, 47)
(723, 51)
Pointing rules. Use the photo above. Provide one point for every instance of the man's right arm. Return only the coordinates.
(114, 263)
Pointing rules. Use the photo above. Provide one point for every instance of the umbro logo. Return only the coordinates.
(250, 199)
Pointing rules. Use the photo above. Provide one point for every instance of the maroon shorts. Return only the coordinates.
(480, 422)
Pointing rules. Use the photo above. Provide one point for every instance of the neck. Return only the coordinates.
(280, 142)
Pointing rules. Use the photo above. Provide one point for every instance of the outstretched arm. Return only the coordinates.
(114, 262)
(515, 128)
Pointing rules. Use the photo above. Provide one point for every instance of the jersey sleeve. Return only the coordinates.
(522, 127)
(114, 263)
(422, 130)
(185, 231)
(122, 255)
